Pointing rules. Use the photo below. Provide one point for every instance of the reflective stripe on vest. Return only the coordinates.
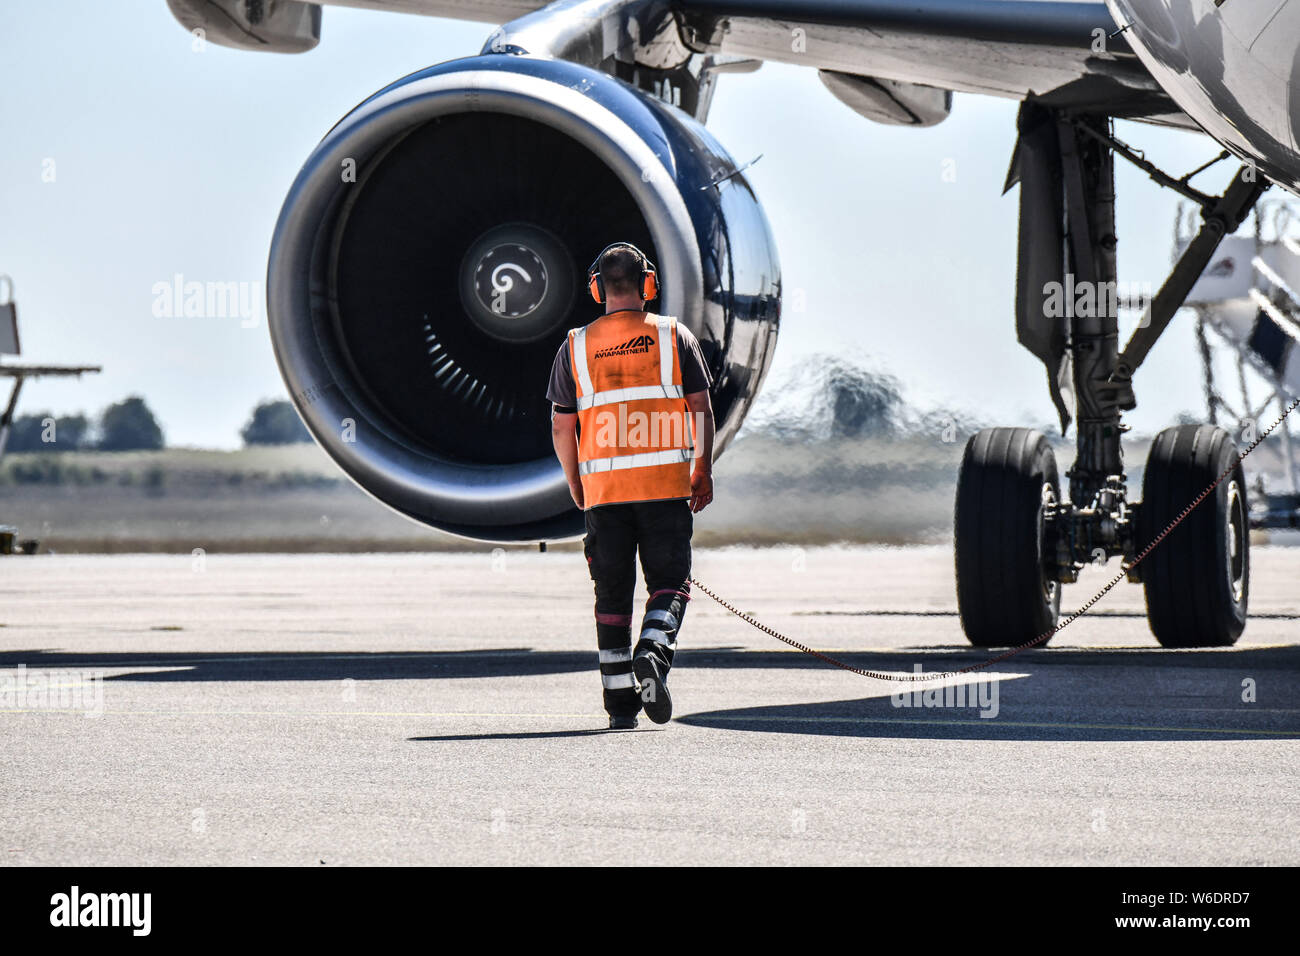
(667, 342)
(615, 364)
(578, 349)
(615, 395)
(639, 460)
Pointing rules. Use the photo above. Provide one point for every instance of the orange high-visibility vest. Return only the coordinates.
(635, 434)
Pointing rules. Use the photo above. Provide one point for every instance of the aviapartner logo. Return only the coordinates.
(641, 343)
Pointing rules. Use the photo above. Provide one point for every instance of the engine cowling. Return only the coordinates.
(431, 256)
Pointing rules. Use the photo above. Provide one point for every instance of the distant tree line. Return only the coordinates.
(130, 425)
(127, 425)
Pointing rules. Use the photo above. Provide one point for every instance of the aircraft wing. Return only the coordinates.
(1066, 52)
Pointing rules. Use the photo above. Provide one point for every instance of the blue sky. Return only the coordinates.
(168, 161)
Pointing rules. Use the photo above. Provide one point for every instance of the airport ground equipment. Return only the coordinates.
(1248, 320)
(10, 345)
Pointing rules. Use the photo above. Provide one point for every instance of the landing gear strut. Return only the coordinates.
(1017, 539)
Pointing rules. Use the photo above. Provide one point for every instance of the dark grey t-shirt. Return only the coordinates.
(563, 393)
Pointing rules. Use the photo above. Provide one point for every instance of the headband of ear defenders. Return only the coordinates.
(649, 277)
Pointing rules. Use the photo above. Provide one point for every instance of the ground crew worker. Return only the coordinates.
(633, 428)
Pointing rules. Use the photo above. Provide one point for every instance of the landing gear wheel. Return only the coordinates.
(1197, 580)
(1005, 593)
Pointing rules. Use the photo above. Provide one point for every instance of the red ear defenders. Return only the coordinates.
(649, 278)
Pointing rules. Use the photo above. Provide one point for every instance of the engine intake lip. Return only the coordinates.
(603, 115)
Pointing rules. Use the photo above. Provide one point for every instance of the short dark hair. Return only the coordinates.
(620, 270)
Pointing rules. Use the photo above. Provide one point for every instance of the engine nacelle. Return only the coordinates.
(431, 256)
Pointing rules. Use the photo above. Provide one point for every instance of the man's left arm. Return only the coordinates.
(702, 474)
(695, 383)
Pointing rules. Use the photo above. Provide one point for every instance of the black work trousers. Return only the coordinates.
(661, 532)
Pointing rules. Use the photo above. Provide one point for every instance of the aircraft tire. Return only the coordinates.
(1197, 580)
(1004, 597)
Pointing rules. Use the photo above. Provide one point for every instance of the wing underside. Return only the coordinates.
(1064, 52)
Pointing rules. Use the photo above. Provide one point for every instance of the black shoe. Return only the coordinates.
(655, 699)
(622, 722)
